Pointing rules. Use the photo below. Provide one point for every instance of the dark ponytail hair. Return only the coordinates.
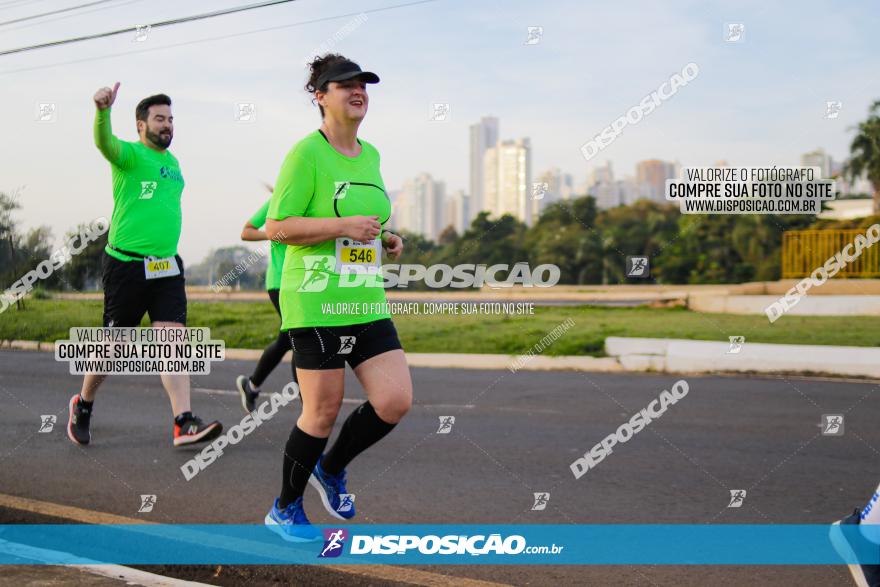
(317, 67)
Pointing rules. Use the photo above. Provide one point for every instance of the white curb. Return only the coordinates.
(638, 355)
(697, 356)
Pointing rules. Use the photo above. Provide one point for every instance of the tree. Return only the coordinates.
(702, 252)
(448, 236)
(565, 235)
(865, 153)
(83, 271)
(37, 247)
(416, 248)
(235, 267)
(9, 241)
(20, 254)
(491, 241)
(644, 228)
(8, 234)
(726, 248)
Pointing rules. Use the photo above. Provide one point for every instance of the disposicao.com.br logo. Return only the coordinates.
(450, 544)
(334, 542)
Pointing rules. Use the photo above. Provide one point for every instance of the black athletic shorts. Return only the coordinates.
(128, 294)
(330, 347)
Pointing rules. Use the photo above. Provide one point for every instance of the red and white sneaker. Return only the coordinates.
(193, 431)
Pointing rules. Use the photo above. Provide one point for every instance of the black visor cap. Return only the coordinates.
(343, 71)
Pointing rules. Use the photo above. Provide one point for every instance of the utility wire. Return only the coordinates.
(68, 9)
(68, 16)
(151, 25)
(10, 4)
(217, 38)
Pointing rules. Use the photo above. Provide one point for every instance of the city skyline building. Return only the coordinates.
(483, 135)
(421, 206)
(507, 185)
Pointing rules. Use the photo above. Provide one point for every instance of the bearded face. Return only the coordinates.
(159, 127)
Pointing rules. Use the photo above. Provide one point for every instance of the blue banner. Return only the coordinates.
(425, 544)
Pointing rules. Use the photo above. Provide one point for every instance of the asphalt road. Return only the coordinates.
(514, 434)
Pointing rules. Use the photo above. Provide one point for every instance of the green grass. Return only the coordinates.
(253, 324)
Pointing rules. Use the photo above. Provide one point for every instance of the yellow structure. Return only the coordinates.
(803, 251)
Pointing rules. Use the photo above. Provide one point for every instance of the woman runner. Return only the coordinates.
(329, 205)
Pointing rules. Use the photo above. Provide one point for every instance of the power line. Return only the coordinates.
(217, 38)
(65, 17)
(68, 9)
(15, 3)
(152, 25)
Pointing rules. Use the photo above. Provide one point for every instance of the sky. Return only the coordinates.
(759, 102)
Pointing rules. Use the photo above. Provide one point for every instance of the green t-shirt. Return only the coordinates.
(310, 177)
(146, 195)
(276, 251)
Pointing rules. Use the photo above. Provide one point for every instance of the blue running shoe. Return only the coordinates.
(336, 499)
(848, 544)
(291, 523)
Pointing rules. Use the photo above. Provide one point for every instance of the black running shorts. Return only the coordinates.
(330, 347)
(128, 294)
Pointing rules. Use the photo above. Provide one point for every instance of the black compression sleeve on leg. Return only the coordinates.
(300, 455)
(270, 358)
(362, 429)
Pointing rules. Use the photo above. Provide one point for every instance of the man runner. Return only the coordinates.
(145, 227)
